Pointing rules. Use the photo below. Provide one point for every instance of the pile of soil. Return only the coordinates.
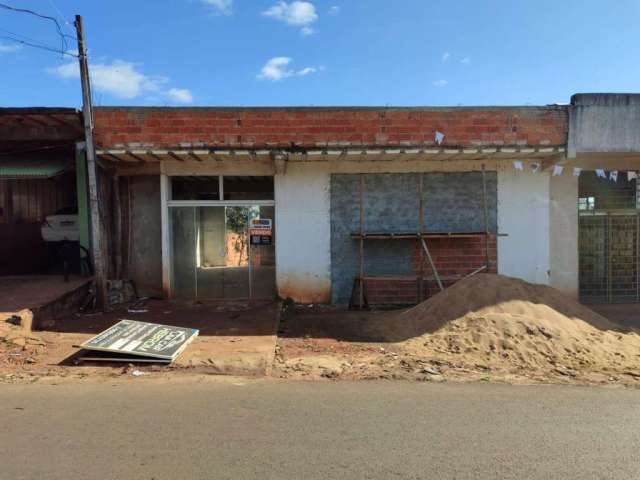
(505, 323)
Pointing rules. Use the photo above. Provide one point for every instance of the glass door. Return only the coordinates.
(212, 254)
(262, 252)
(223, 253)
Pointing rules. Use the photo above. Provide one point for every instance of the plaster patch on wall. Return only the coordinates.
(303, 259)
(523, 215)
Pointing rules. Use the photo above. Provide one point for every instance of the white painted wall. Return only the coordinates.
(303, 232)
(563, 234)
(523, 214)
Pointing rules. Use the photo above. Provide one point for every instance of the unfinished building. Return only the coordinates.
(398, 200)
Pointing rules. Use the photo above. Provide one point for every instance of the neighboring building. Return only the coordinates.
(190, 180)
(39, 177)
(604, 133)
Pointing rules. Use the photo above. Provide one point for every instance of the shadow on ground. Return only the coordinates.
(210, 318)
(485, 294)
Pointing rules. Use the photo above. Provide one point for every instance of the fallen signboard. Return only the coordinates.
(133, 341)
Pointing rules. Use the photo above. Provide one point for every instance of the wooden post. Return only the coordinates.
(608, 247)
(117, 226)
(420, 230)
(486, 216)
(361, 296)
(8, 202)
(433, 265)
(96, 240)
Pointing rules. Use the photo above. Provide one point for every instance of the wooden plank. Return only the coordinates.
(433, 266)
(405, 236)
(361, 205)
(486, 215)
(420, 230)
(477, 270)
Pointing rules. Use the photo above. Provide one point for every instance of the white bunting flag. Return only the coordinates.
(613, 175)
(535, 167)
(600, 173)
(631, 175)
(439, 137)
(577, 171)
(517, 164)
(557, 170)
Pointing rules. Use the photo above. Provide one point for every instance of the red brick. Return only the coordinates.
(167, 127)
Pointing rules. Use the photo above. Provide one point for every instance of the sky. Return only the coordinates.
(321, 52)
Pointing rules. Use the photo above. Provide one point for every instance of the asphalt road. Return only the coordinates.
(270, 429)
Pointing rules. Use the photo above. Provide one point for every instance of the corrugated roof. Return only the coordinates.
(28, 168)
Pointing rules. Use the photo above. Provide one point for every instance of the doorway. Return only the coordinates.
(214, 254)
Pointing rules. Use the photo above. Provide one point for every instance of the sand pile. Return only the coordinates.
(501, 322)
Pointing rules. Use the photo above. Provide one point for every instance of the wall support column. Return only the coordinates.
(166, 235)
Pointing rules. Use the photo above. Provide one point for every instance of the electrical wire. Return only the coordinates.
(35, 45)
(61, 17)
(63, 36)
(14, 34)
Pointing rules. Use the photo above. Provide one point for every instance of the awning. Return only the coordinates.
(29, 168)
(125, 155)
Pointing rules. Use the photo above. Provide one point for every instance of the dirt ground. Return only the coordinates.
(322, 342)
(312, 342)
(33, 291)
(235, 338)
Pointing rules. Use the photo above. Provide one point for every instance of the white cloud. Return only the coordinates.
(306, 31)
(278, 68)
(297, 14)
(9, 47)
(466, 61)
(222, 7)
(122, 80)
(335, 10)
(440, 83)
(446, 56)
(307, 71)
(180, 95)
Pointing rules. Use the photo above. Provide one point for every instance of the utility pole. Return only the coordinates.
(92, 173)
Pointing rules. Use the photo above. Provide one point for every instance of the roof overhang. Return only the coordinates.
(17, 168)
(22, 127)
(141, 155)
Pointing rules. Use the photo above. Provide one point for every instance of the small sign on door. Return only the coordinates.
(260, 231)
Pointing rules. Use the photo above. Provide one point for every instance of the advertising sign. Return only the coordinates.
(260, 231)
(142, 339)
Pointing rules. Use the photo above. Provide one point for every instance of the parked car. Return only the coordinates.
(62, 226)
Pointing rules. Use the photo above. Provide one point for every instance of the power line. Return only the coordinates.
(62, 17)
(41, 47)
(18, 35)
(63, 36)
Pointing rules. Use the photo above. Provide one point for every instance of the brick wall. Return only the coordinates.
(313, 127)
(454, 258)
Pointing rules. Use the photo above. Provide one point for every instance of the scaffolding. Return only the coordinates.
(421, 235)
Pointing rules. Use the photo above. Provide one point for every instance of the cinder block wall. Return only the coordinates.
(452, 203)
(145, 261)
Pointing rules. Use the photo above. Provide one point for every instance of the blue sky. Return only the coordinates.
(333, 52)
